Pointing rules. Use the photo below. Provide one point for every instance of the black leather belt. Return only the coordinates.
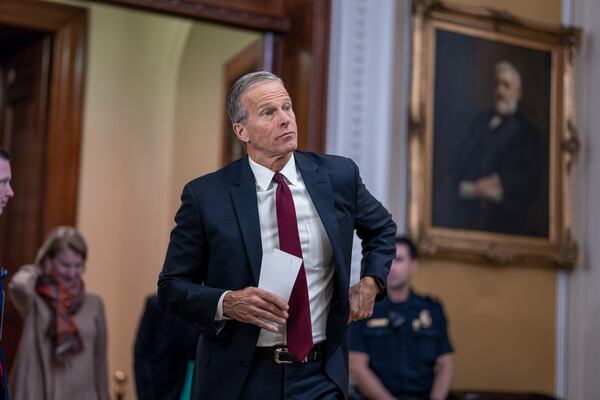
(281, 355)
(413, 396)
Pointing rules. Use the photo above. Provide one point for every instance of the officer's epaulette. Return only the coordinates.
(429, 299)
(433, 299)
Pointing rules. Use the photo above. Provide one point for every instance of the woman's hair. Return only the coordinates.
(60, 238)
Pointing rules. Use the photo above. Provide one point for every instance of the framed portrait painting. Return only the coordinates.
(492, 136)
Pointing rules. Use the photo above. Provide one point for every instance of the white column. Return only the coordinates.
(364, 116)
(583, 296)
(562, 286)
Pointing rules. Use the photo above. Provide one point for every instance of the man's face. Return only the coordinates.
(269, 129)
(6, 191)
(402, 269)
(507, 92)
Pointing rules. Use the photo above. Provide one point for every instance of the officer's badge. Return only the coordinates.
(425, 318)
(416, 324)
(378, 322)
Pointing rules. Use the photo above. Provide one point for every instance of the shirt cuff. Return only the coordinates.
(219, 313)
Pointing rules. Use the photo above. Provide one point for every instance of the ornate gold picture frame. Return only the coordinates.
(492, 135)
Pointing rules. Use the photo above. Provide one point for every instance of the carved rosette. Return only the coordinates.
(568, 254)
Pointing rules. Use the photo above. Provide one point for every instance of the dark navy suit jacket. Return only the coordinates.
(216, 246)
(163, 347)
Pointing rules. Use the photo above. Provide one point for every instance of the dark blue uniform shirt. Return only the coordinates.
(403, 341)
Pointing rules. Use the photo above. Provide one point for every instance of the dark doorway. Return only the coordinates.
(24, 80)
(42, 54)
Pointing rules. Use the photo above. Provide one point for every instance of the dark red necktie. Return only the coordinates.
(299, 329)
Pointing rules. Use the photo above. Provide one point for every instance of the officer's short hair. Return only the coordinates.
(412, 249)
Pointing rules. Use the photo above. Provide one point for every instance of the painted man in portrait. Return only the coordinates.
(498, 169)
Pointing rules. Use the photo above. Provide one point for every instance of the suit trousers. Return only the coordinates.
(298, 381)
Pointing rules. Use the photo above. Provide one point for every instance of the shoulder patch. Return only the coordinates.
(431, 299)
(378, 322)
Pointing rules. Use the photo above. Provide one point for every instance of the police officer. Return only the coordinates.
(403, 350)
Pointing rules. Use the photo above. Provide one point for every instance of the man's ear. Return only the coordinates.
(240, 131)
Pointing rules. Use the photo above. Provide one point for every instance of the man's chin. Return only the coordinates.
(290, 147)
(396, 285)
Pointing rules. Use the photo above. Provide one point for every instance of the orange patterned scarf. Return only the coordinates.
(62, 330)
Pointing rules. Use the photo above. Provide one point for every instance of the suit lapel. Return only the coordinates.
(319, 188)
(243, 194)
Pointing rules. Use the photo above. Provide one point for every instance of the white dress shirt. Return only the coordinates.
(316, 249)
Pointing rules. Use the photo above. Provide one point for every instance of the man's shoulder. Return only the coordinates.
(381, 307)
(433, 305)
(221, 177)
(323, 159)
(426, 300)
(525, 124)
(337, 166)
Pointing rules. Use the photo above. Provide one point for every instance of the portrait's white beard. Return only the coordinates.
(506, 107)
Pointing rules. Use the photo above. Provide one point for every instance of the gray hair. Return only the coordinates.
(235, 109)
(505, 66)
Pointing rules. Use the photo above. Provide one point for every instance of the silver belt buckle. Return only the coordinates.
(278, 351)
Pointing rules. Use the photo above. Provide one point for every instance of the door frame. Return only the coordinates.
(301, 46)
(68, 25)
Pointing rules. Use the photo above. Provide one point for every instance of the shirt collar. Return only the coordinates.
(264, 176)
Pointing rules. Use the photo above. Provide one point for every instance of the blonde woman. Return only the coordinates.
(62, 351)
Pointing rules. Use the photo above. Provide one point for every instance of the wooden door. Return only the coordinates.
(25, 76)
(300, 32)
(257, 56)
(42, 70)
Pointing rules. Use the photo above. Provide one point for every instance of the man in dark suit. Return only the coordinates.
(164, 347)
(255, 344)
(6, 193)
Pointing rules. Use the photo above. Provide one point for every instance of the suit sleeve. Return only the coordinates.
(357, 339)
(444, 346)
(144, 351)
(377, 231)
(181, 289)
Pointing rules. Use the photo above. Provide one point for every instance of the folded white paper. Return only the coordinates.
(278, 273)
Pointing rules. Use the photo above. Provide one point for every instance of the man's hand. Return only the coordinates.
(257, 307)
(362, 298)
(489, 187)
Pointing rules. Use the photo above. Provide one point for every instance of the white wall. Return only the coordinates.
(583, 348)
